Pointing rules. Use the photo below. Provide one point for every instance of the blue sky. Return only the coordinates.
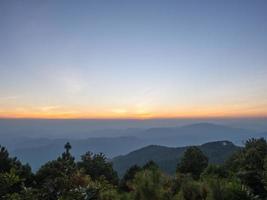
(133, 58)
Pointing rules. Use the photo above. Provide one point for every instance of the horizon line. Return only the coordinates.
(133, 118)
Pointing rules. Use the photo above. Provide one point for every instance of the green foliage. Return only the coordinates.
(193, 191)
(96, 165)
(242, 177)
(193, 162)
(216, 171)
(128, 177)
(248, 165)
(7, 163)
(60, 179)
(265, 172)
(14, 176)
(9, 182)
(150, 184)
(101, 189)
(221, 189)
(151, 165)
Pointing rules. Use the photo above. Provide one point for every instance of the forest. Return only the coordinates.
(241, 177)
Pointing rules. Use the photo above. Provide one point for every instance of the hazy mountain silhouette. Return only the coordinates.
(168, 157)
(38, 150)
(196, 134)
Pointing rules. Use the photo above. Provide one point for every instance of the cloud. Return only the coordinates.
(49, 108)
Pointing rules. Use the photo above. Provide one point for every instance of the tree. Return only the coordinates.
(94, 178)
(151, 165)
(5, 161)
(55, 177)
(216, 171)
(248, 165)
(14, 176)
(150, 184)
(228, 189)
(97, 165)
(128, 177)
(192, 190)
(193, 162)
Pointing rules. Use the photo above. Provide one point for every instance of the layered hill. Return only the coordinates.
(38, 150)
(168, 157)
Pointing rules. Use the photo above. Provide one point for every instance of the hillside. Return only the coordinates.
(168, 157)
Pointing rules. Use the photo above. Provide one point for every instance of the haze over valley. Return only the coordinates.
(38, 141)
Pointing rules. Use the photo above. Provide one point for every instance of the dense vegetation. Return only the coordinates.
(242, 177)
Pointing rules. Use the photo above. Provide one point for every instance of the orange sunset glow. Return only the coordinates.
(205, 112)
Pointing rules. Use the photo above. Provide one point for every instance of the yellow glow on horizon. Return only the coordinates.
(120, 113)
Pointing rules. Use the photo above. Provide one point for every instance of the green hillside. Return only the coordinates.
(168, 157)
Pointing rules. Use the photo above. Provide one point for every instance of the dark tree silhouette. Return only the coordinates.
(193, 162)
(67, 147)
(97, 165)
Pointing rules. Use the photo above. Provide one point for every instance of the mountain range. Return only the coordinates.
(38, 150)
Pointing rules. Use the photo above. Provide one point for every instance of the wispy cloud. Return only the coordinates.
(49, 108)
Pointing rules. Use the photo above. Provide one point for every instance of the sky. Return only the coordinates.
(133, 59)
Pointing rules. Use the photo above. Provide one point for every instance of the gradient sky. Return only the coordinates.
(133, 59)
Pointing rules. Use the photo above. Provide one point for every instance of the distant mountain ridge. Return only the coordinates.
(36, 151)
(168, 157)
(197, 134)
